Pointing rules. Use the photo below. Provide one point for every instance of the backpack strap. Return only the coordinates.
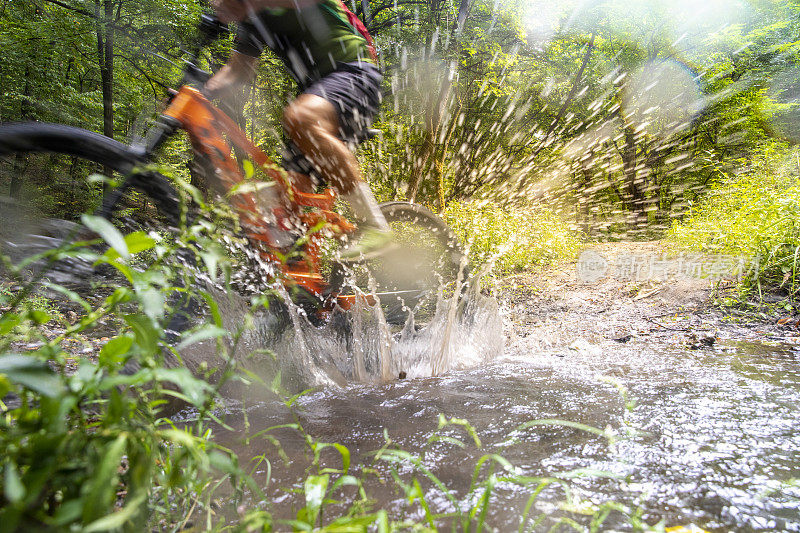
(356, 23)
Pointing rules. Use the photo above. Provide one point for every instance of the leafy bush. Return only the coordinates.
(511, 239)
(755, 215)
(90, 446)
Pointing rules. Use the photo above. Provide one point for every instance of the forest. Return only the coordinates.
(533, 128)
(625, 113)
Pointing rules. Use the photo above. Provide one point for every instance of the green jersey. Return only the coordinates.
(312, 41)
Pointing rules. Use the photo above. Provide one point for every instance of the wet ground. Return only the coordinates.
(701, 404)
(704, 409)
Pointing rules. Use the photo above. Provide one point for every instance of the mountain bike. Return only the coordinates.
(289, 218)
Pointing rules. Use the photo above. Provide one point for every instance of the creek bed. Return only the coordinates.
(720, 445)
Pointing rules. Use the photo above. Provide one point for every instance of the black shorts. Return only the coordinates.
(354, 89)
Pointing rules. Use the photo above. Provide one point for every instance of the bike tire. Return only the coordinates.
(39, 145)
(424, 217)
(39, 137)
(429, 260)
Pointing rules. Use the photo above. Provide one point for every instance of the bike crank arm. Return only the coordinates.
(346, 301)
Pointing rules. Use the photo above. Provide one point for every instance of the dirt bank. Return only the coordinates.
(558, 310)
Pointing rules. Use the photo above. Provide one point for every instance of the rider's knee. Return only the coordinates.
(298, 119)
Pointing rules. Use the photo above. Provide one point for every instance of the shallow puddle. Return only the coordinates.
(713, 439)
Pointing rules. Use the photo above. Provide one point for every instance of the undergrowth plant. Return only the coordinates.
(514, 239)
(93, 449)
(335, 494)
(755, 215)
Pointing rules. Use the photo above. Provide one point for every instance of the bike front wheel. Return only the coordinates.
(427, 264)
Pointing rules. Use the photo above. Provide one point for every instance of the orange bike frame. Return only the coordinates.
(214, 134)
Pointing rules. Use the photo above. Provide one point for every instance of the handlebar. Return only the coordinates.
(210, 29)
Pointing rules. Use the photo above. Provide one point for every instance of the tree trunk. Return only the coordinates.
(105, 60)
(564, 106)
(436, 110)
(367, 13)
(634, 192)
(586, 164)
(15, 186)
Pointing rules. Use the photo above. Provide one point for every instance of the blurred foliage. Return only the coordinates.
(619, 113)
(755, 215)
(509, 240)
(84, 441)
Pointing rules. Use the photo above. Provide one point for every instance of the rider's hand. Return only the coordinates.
(231, 10)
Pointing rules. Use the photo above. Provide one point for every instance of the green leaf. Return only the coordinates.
(104, 481)
(179, 437)
(113, 350)
(213, 307)
(566, 423)
(72, 295)
(144, 332)
(343, 451)
(5, 386)
(8, 322)
(291, 401)
(194, 389)
(121, 294)
(382, 518)
(68, 512)
(138, 241)
(118, 519)
(108, 232)
(32, 373)
(152, 301)
(247, 187)
(315, 488)
(211, 254)
(223, 462)
(249, 169)
(207, 331)
(347, 480)
(99, 178)
(39, 317)
(14, 489)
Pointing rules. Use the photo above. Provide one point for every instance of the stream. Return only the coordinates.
(711, 440)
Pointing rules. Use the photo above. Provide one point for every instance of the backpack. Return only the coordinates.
(356, 23)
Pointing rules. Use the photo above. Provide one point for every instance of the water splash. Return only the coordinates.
(360, 346)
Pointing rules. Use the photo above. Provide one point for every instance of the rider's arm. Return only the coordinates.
(237, 72)
(236, 10)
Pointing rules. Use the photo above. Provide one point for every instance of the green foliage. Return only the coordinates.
(511, 239)
(518, 98)
(33, 303)
(89, 445)
(755, 214)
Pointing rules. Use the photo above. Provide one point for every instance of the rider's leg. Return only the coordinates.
(301, 182)
(313, 125)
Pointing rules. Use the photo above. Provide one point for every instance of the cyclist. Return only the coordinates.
(339, 93)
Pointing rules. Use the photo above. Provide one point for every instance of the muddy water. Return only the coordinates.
(718, 442)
